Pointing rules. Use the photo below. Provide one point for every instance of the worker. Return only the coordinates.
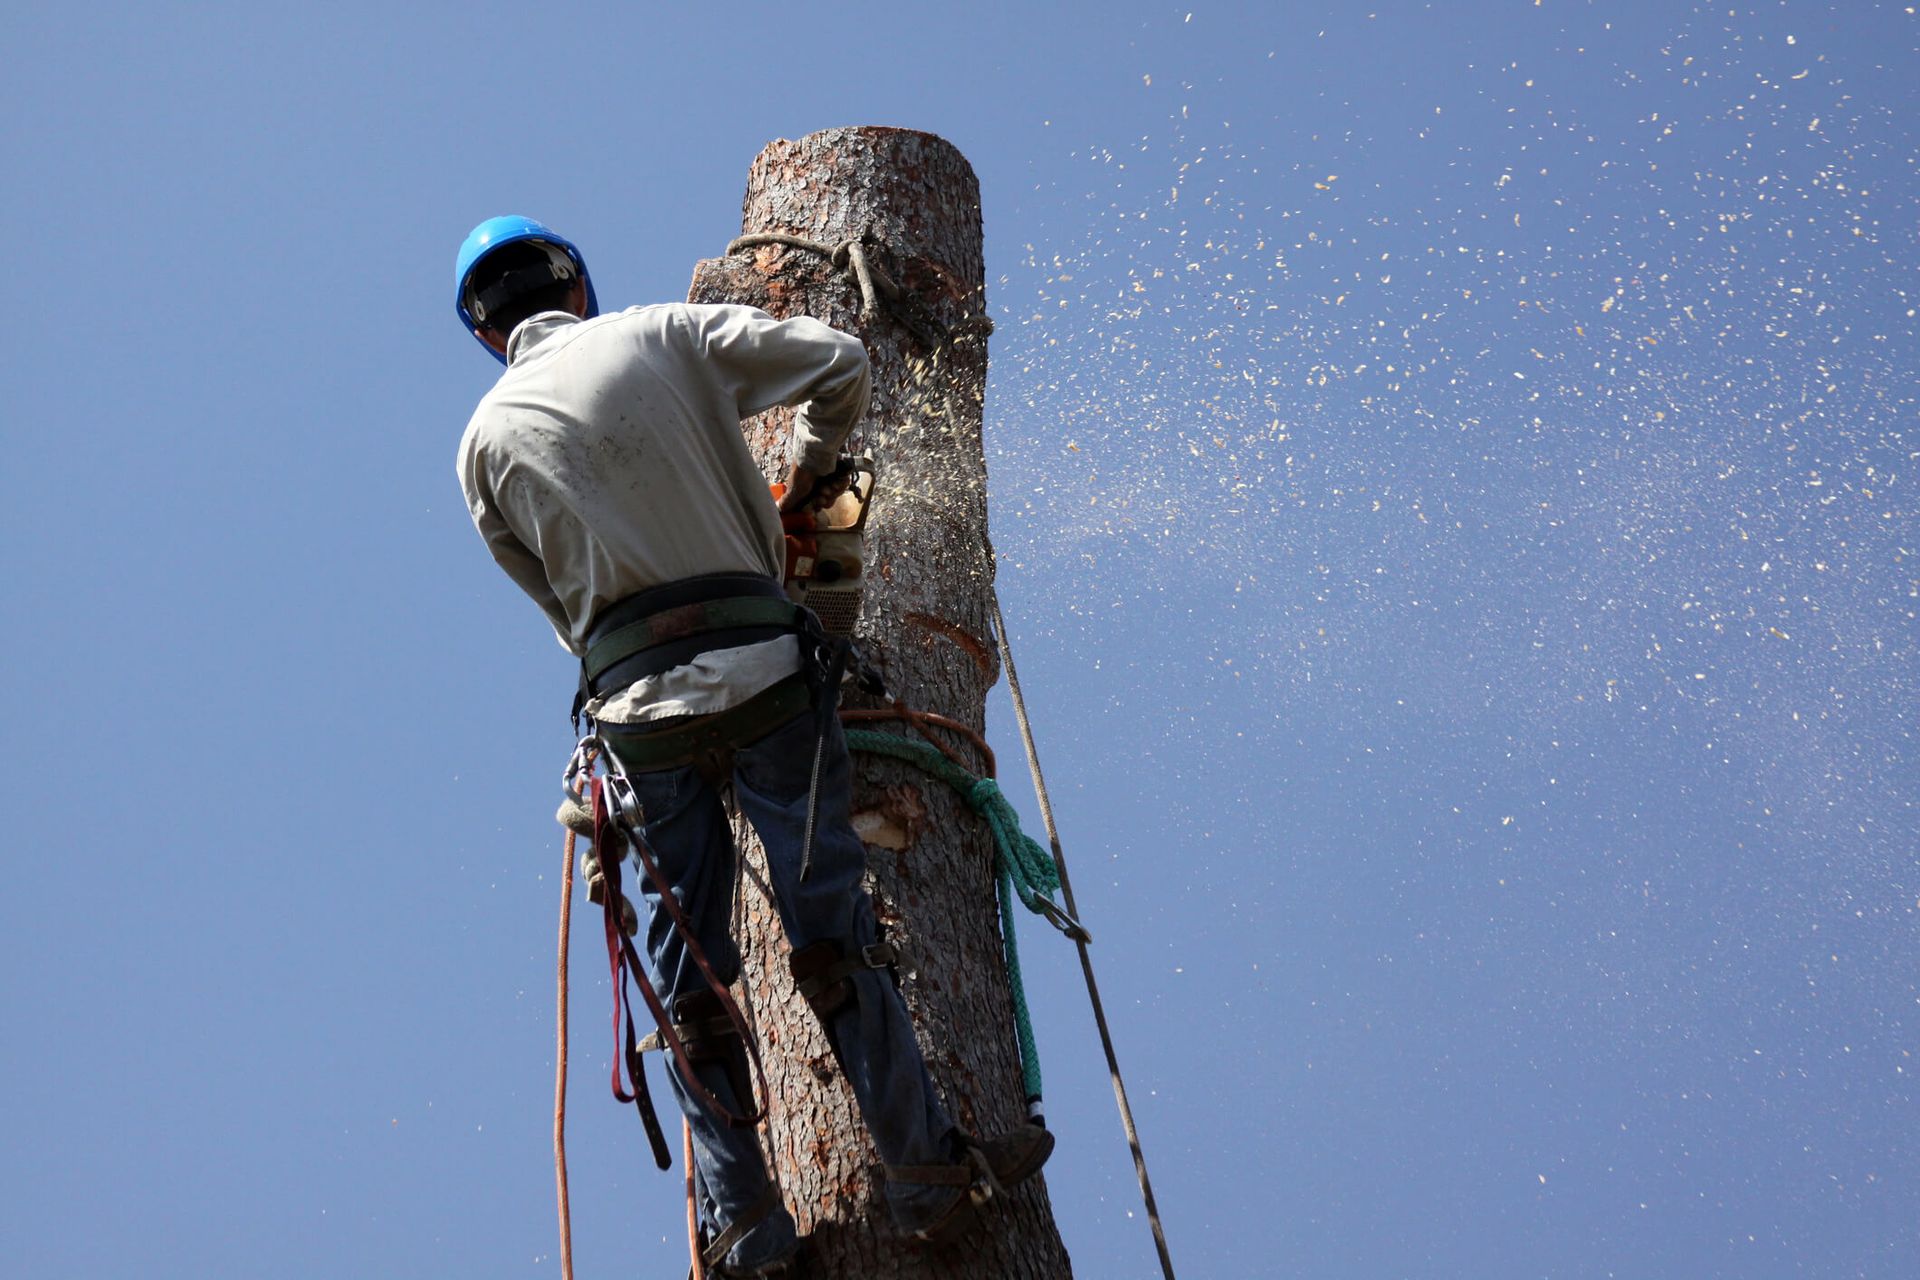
(607, 472)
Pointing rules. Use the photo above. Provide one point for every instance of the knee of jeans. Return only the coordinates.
(839, 855)
(677, 975)
(829, 915)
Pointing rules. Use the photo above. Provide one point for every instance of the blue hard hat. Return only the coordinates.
(493, 234)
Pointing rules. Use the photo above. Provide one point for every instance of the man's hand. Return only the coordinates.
(800, 484)
(807, 491)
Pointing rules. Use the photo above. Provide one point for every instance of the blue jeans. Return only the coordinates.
(686, 827)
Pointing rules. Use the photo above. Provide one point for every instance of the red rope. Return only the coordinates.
(922, 720)
(622, 960)
(699, 1269)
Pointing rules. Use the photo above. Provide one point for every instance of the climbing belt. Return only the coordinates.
(1026, 871)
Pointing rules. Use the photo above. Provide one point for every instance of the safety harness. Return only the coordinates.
(644, 635)
(664, 627)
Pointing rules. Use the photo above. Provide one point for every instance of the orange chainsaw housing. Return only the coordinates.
(803, 547)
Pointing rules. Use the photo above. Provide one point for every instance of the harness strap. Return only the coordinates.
(753, 1216)
(696, 1036)
(671, 595)
(665, 652)
(972, 1172)
(686, 636)
(661, 637)
(709, 1036)
(643, 1102)
(931, 1175)
(825, 989)
(623, 961)
(647, 748)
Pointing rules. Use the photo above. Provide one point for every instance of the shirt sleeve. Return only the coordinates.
(763, 362)
(526, 569)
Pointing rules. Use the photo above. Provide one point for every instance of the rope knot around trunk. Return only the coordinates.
(877, 288)
(982, 793)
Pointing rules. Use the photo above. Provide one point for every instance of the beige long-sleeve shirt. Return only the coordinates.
(608, 459)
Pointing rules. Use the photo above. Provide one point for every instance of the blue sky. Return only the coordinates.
(1452, 468)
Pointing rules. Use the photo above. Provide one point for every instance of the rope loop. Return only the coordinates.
(876, 287)
(1024, 869)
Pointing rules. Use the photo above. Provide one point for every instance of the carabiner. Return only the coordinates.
(1059, 919)
(624, 801)
(580, 765)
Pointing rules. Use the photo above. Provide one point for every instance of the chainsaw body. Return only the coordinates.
(826, 551)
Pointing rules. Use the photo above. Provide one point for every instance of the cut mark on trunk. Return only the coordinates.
(874, 828)
(898, 820)
(968, 642)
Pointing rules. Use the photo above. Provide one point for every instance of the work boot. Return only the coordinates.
(1016, 1156)
(982, 1170)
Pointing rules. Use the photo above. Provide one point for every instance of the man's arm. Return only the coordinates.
(765, 362)
(508, 550)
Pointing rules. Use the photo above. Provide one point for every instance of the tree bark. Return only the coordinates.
(915, 202)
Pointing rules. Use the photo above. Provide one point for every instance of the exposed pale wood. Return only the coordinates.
(926, 622)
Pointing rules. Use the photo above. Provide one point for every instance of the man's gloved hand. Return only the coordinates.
(808, 491)
(597, 891)
(576, 815)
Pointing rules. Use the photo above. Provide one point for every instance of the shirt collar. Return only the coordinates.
(536, 329)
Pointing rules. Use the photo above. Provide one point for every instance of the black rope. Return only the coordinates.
(1080, 941)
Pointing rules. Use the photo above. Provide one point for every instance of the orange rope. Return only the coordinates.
(699, 1269)
(560, 1071)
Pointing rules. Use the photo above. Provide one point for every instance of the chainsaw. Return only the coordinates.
(826, 545)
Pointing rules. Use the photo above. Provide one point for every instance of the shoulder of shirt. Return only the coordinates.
(655, 318)
(652, 313)
(656, 321)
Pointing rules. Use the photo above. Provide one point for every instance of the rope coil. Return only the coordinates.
(1026, 871)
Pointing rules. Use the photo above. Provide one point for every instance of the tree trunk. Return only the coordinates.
(924, 621)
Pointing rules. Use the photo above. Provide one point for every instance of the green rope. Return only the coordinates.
(1026, 869)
